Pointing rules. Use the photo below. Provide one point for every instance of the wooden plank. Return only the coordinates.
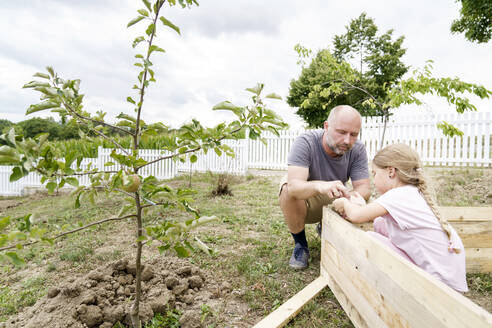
(473, 233)
(478, 260)
(344, 301)
(415, 295)
(362, 297)
(281, 316)
(458, 213)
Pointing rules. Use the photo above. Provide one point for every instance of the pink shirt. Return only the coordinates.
(413, 227)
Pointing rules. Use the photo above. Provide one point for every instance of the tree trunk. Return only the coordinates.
(385, 118)
(135, 309)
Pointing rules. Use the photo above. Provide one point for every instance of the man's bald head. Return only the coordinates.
(348, 112)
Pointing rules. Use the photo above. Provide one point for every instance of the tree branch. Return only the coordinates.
(144, 79)
(43, 172)
(112, 140)
(186, 152)
(72, 231)
(95, 121)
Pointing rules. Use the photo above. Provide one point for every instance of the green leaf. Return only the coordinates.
(42, 75)
(273, 96)
(72, 181)
(201, 245)
(9, 160)
(36, 84)
(11, 136)
(42, 106)
(227, 105)
(15, 259)
(46, 240)
(147, 4)
(150, 29)
(449, 129)
(135, 21)
(141, 238)
(218, 151)
(163, 248)
(137, 41)
(181, 251)
(143, 12)
(50, 70)
(17, 173)
(5, 221)
(155, 48)
(77, 200)
(3, 239)
(130, 100)
(127, 117)
(24, 223)
(166, 22)
(193, 158)
(51, 186)
(257, 89)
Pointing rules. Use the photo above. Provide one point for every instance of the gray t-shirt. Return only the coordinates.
(307, 151)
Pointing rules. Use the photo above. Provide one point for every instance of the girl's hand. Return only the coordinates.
(339, 205)
(357, 199)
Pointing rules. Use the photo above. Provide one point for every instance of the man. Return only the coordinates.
(320, 162)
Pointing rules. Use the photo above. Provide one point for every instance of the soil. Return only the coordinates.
(101, 298)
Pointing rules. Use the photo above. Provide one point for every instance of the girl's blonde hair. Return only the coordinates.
(408, 167)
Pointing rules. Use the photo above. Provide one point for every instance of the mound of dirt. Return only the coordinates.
(104, 296)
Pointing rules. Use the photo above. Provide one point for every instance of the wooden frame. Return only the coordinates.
(378, 288)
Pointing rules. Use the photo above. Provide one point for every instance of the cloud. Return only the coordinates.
(224, 47)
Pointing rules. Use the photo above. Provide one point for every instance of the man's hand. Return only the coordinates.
(334, 189)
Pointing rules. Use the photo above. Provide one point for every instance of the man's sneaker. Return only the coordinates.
(318, 229)
(299, 258)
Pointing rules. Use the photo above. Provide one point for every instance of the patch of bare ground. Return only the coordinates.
(103, 297)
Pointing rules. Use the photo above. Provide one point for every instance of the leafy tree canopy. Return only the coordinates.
(371, 63)
(5, 124)
(475, 20)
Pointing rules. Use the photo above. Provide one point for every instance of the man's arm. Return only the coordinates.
(363, 187)
(300, 188)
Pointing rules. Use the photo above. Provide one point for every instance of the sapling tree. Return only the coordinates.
(122, 175)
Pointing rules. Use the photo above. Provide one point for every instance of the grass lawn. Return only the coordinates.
(250, 241)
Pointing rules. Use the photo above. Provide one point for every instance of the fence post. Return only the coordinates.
(245, 150)
(100, 164)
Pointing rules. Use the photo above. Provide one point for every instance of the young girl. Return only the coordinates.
(406, 218)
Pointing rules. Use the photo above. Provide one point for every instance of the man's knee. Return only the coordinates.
(285, 198)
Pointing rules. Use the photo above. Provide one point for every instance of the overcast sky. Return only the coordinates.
(225, 46)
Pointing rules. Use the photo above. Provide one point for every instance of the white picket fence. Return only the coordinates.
(418, 131)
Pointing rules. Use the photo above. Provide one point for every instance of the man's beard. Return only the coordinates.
(335, 148)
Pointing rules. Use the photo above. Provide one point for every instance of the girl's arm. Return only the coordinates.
(358, 213)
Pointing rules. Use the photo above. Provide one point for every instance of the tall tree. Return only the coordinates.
(37, 125)
(475, 20)
(375, 65)
(5, 124)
